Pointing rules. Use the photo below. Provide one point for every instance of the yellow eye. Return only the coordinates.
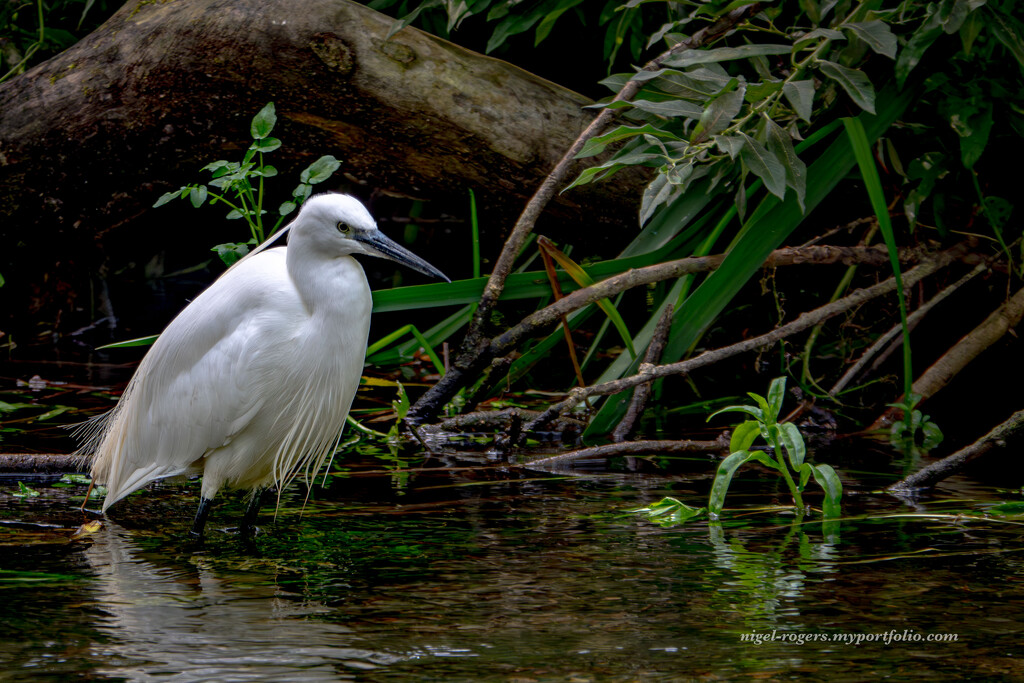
(344, 228)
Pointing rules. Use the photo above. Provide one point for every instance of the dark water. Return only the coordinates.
(466, 571)
(464, 568)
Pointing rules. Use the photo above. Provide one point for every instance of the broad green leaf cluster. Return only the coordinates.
(786, 453)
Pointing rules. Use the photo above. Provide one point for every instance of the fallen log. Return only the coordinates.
(92, 137)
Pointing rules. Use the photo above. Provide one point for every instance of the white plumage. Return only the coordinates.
(251, 383)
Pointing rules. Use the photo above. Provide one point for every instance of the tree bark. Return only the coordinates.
(91, 138)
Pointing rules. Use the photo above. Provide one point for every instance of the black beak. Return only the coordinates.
(380, 245)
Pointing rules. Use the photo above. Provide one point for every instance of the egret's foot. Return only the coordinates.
(196, 533)
(252, 514)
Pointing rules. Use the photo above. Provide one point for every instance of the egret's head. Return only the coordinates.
(340, 224)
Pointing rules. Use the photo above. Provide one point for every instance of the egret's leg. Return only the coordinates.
(252, 513)
(201, 514)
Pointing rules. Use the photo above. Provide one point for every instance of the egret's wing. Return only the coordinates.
(205, 378)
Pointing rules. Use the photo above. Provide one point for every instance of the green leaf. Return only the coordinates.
(974, 132)
(877, 34)
(766, 413)
(581, 278)
(54, 412)
(781, 145)
(764, 165)
(853, 81)
(267, 171)
(873, 184)
(265, 145)
(1008, 31)
(548, 22)
(723, 477)
(596, 145)
(719, 113)
(231, 252)
(655, 194)
(197, 195)
(168, 197)
(24, 491)
(756, 413)
(320, 170)
(762, 232)
(926, 34)
(287, 207)
(818, 34)
(140, 341)
(724, 54)
(669, 511)
(793, 441)
(744, 435)
(800, 95)
(730, 144)
(806, 471)
(670, 108)
(828, 480)
(931, 435)
(776, 395)
(264, 121)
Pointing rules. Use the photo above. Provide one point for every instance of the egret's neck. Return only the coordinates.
(329, 286)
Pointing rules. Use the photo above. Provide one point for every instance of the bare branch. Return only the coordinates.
(803, 322)
(643, 391)
(948, 466)
(632, 448)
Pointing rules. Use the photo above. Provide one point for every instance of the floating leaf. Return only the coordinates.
(25, 491)
(668, 511)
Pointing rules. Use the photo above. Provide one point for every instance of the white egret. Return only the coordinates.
(251, 383)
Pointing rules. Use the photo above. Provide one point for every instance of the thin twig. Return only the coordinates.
(892, 334)
(643, 391)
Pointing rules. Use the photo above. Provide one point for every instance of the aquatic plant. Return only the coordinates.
(785, 454)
